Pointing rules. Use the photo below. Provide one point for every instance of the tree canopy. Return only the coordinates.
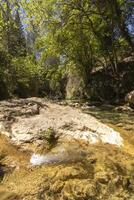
(80, 33)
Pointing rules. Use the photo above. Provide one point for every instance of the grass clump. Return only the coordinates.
(49, 136)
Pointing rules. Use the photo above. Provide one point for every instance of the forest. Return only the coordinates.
(76, 49)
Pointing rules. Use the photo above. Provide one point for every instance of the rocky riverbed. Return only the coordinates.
(56, 152)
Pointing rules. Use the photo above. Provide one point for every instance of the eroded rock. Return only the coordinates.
(25, 121)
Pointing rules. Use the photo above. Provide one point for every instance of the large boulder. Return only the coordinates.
(75, 86)
(29, 119)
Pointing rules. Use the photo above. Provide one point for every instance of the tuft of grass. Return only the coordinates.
(50, 136)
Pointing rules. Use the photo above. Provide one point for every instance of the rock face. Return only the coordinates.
(74, 87)
(26, 120)
(106, 87)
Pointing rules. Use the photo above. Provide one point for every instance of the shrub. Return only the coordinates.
(26, 77)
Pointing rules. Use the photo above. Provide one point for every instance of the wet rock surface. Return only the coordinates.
(103, 172)
(124, 108)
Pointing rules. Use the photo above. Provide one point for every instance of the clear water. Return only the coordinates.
(109, 115)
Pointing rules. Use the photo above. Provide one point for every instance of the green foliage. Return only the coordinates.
(56, 81)
(11, 32)
(27, 75)
(50, 136)
(5, 75)
(84, 34)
